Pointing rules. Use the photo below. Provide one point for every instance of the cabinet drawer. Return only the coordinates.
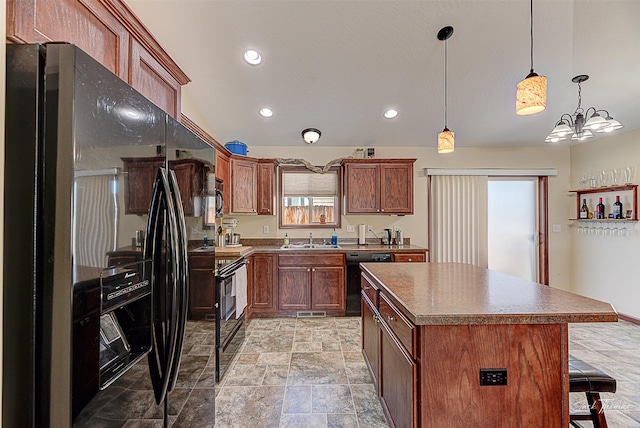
(202, 262)
(404, 330)
(370, 290)
(311, 260)
(409, 257)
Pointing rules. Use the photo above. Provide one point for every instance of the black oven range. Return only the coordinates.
(230, 325)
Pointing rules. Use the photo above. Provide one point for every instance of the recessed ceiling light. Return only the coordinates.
(266, 112)
(252, 57)
(391, 113)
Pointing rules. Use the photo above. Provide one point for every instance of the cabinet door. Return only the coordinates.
(398, 381)
(262, 294)
(266, 188)
(202, 299)
(327, 288)
(223, 172)
(371, 339)
(362, 188)
(294, 288)
(244, 180)
(153, 81)
(396, 188)
(189, 178)
(409, 257)
(139, 178)
(85, 23)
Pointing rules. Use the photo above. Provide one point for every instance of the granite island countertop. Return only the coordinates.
(457, 293)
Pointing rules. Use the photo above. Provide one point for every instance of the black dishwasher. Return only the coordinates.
(353, 276)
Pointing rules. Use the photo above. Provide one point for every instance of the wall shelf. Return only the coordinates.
(623, 188)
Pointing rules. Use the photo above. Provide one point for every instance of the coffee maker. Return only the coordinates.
(387, 237)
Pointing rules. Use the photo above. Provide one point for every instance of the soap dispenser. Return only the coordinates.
(334, 238)
(285, 241)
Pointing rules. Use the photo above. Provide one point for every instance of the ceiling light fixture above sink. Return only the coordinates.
(253, 57)
(311, 135)
(531, 92)
(445, 138)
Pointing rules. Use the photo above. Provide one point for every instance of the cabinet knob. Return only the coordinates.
(377, 211)
(409, 258)
(313, 270)
(376, 319)
(382, 209)
(308, 270)
(366, 287)
(390, 318)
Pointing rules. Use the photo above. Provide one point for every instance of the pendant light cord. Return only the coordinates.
(445, 83)
(531, 26)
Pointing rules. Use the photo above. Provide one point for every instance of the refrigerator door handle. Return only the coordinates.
(181, 278)
(164, 292)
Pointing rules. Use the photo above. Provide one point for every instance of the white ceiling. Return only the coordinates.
(337, 65)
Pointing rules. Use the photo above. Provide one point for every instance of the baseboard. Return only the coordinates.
(629, 318)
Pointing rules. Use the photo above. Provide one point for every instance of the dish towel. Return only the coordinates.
(239, 284)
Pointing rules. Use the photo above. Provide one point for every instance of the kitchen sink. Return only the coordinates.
(309, 247)
(204, 249)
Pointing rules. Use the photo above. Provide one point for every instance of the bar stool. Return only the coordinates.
(592, 381)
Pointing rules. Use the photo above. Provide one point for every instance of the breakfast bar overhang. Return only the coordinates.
(451, 344)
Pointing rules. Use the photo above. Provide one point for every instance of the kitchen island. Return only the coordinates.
(450, 344)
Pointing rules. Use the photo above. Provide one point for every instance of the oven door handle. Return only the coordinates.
(237, 266)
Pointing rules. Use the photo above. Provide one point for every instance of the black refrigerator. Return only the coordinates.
(73, 322)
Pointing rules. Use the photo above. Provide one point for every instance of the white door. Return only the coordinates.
(512, 226)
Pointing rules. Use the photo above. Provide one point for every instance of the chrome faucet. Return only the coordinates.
(310, 238)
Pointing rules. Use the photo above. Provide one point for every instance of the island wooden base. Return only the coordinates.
(535, 356)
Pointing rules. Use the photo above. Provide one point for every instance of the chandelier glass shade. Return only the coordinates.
(582, 124)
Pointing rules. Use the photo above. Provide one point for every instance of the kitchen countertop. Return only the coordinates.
(457, 293)
(344, 248)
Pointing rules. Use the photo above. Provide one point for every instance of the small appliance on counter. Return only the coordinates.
(387, 237)
(231, 239)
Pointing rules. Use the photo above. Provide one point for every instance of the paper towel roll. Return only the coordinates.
(361, 234)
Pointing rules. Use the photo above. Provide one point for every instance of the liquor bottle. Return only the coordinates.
(600, 209)
(584, 211)
(617, 208)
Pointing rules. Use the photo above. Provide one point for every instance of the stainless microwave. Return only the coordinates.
(214, 204)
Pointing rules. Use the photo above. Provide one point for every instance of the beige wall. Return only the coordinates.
(415, 226)
(606, 267)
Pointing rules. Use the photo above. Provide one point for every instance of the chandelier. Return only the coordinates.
(583, 123)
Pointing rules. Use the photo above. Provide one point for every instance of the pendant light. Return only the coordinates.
(445, 138)
(531, 93)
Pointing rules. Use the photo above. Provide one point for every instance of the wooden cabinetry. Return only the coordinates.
(380, 186)
(244, 186)
(409, 257)
(109, 32)
(223, 172)
(262, 296)
(252, 186)
(140, 173)
(312, 282)
(202, 286)
(389, 346)
(627, 188)
(266, 187)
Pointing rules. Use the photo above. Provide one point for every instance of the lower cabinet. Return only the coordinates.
(312, 282)
(262, 296)
(202, 286)
(393, 370)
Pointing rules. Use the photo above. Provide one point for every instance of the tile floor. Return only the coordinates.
(309, 372)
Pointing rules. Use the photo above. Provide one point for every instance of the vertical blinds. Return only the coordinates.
(458, 229)
(309, 184)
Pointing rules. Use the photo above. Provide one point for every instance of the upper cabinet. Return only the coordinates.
(109, 32)
(252, 189)
(378, 186)
(223, 172)
(140, 174)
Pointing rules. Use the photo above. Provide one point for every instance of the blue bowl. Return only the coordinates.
(237, 147)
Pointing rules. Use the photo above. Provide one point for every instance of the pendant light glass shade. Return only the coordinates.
(445, 141)
(531, 95)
